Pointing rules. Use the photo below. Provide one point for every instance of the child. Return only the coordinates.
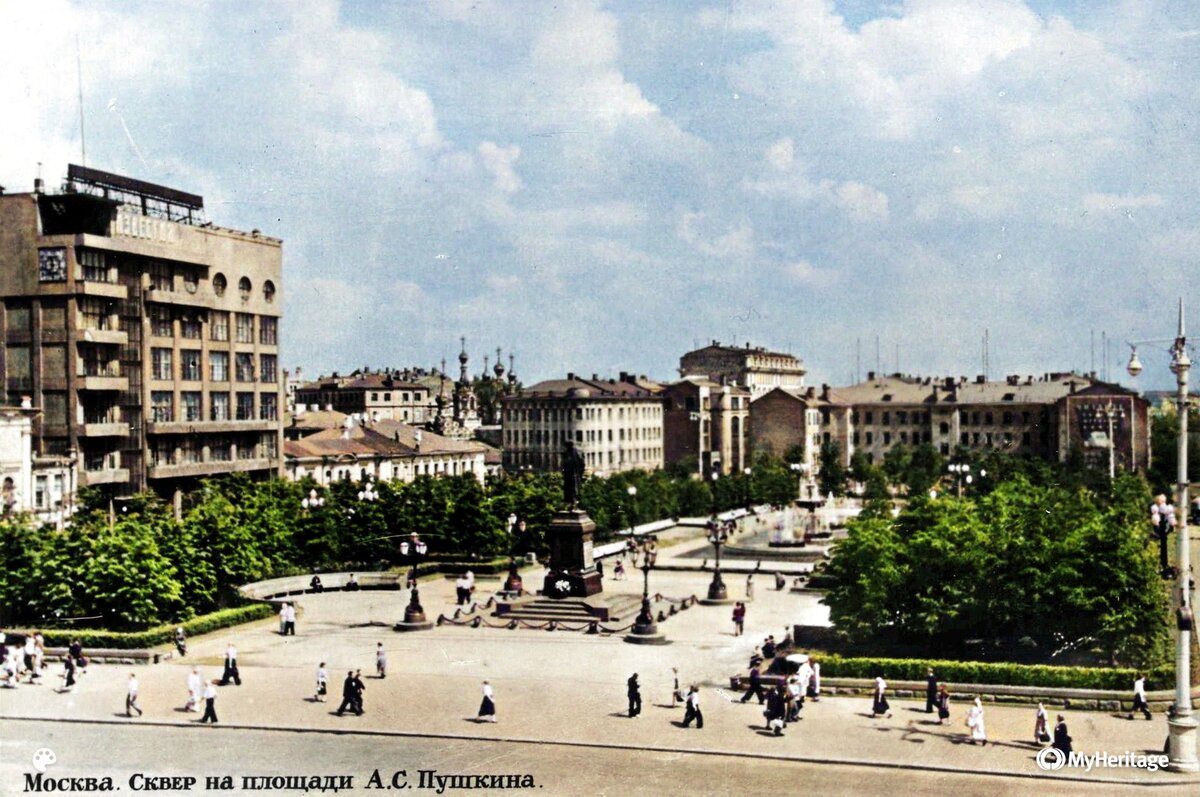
(322, 684)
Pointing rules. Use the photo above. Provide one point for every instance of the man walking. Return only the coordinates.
(210, 703)
(755, 686)
(931, 691)
(231, 667)
(131, 697)
(349, 695)
(380, 661)
(1139, 697)
(289, 619)
(635, 696)
(693, 708)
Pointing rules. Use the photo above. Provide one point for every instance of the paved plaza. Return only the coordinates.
(560, 701)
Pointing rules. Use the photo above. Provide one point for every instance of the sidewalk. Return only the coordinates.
(567, 688)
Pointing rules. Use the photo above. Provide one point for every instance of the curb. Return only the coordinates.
(843, 762)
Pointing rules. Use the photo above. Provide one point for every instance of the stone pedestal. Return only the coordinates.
(572, 573)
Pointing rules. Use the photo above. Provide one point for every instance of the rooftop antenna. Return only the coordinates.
(878, 361)
(79, 78)
(857, 359)
(897, 358)
(1094, 350)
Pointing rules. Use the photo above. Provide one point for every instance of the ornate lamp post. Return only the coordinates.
(413, 550)
(962, 472)
(718, 537)
(313, 501)
(1181, 725)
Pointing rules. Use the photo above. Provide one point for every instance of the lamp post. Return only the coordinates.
(749, 493)
(962, 472)
(1181, 725)
(644, 624)
(313, 501)
(718, 537)
(413, 550)
(516, 530)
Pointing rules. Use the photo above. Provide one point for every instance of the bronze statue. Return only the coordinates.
(572, 473)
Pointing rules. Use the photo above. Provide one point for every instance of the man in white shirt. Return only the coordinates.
(131, 697)
(210, 703)
(1139, 697)
(231, 667)
(289, 619)
(692, 712)
(195, 685)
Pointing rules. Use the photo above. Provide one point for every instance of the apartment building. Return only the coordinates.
(706, 424)
(752, 367)
(148, 337)
(616, 424)
(370, 394)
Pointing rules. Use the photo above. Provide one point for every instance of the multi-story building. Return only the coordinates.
(148, 338)
(754, 368)
(705, 424)
(384, 450)
(616, 424)
(1048, 417)
(41, 486)
(371, 394)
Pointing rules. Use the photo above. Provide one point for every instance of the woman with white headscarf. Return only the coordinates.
(975, 723)
(880, 704)
(1040, 734)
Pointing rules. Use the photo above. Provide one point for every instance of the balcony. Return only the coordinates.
(105, 429)
(117, 336)
(210, 427)
(110, 290)
(103, 382)
(90, 478)
(193, 469)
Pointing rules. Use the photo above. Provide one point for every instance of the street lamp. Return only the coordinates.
(414, 550)
(368, 492)
(313, 501)
(632, 491)
(718, 537)
(1181, 725)
(644, 623)
(961, 471)
(516, 530)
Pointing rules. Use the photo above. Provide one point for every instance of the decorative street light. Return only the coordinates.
(313, 501)
(962, 472)
(1181, 725)
(413, 550)
(718, 537)
(516, 531)
(368, 492)
(801, 470)
(644, 624)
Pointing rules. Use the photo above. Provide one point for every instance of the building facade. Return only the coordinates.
(381, 395)
(706, 425)
(41, 486)
(148, 338)
(616, 424)
(752, 367)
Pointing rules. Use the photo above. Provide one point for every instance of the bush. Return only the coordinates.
(159, 635)
(978, 672)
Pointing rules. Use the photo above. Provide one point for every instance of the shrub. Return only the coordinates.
(159, 635)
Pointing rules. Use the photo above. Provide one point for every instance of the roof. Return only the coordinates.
(596, 388)
(315, 419)
(381, 438)
(1049, 388)
(741, 350)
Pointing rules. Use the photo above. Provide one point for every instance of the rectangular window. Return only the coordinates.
(54, 316)
(17, 319)
(247, 447)
(218, 406)
(39, 492)
(162, 406)
(189, 327)
(54, 361)
(245, 407)
(245, 328)
(870, 417)
(94, 266)
(268, 330)
(218, 365)
(218, 325)
(161, 364)
(245, 367)
(161, 276)
(268, 407)
(189, 451)
(189, 402)
(94, 313)
(374, 396)
(189, 365)
(268, 446)
(219, 448)
(54, 409)
(870, 438)
(163, 452)
(269, 368)
(160, 321)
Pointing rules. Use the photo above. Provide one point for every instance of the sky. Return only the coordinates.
(597, 187)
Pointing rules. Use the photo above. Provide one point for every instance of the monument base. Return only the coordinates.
(423, 626)
(577, 584)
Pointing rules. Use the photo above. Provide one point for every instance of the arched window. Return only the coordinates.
(244, 288)
(269, 291)
(219, 284)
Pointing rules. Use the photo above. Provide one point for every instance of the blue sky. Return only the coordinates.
(598, 186)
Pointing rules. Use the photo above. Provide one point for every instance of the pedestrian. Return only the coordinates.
(815, 689)
(359, 688)
(180, 641)
(1062, 739)
(931, 690)
(750, 587)
(676, 695)
(1040, 734)
(352, 584)
(804, 677)
(795, 699)
(210, 703)
(776, 710)
(879, 704)
(768, 647)
(1162, 518)
(75, 651)
(289, 619)
(283, 618)
(231, 667)
(739, 618)
(380, 661)
(600, 568)
(39, 651)
(461, 591)
(30, 653)
(943, 704)
(755, 688)
(195, 685)
(68, 674)
(976, 724)
(779, 581)
(1139, 697)
(322, 684)
(619, 571)
(756, 657)
(131, 696)
(693, 708)
(635, 696)
(487, 707)
(349, 695)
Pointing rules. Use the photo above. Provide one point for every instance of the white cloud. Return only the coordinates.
(737, 243)
(1117, 203)
(499, 162)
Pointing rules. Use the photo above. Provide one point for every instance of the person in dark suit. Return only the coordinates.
(692, 712)
(777, 709)
(349, 695)
(755, 686)
(1062, 739)
(931, 691)
(635, 696)
(359, 688)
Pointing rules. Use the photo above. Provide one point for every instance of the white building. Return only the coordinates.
(43, 486)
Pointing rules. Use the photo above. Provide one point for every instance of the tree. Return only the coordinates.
(897, 464)
(832, 471)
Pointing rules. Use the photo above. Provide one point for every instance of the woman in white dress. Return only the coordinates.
(195, 685)
(975, 723)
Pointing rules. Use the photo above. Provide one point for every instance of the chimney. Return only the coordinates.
(811, 392)
(948, 383)
(39, 187)
(596, 378)
(825, 392)
(570, 376)
(870, 376)
(980, 379)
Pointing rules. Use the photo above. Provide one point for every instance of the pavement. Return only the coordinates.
(566, 691)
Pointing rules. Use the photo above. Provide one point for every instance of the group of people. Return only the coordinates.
(24, 660)
(287, 619)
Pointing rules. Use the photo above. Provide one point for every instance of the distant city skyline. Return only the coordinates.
(598, 187)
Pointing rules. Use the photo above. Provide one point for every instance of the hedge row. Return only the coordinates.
(977, 672)
(159, 635)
